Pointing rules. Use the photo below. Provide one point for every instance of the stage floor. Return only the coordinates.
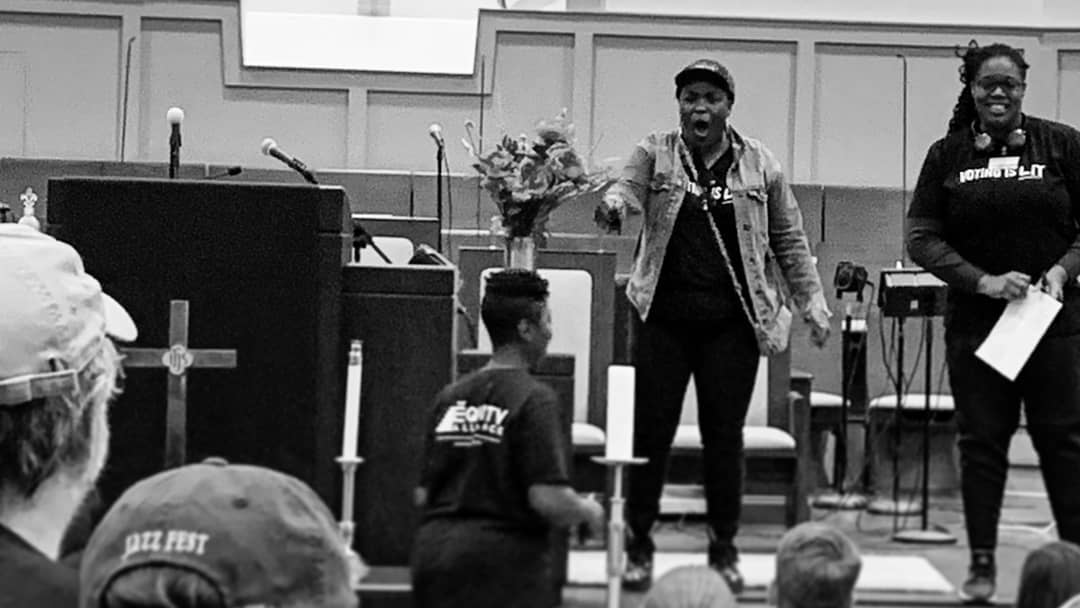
(927, 574)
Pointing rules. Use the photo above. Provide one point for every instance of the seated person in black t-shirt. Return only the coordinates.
(58, 372)
(495, 473)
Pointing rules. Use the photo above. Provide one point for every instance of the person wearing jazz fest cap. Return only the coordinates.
(721, 232)
(216, 535)
(58, 371)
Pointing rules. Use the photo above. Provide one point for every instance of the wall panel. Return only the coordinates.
(70, 71)
(12, 103)
(182, 66)
(398, 123)
(859, 122)
(533, 80)
(634, 90)
(1069, 87)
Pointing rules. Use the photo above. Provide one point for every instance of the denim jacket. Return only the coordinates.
(768, 223)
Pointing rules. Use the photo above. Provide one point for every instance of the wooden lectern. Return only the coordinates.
(250, 271)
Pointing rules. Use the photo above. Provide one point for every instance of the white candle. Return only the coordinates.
(620, 413)
(352, 400)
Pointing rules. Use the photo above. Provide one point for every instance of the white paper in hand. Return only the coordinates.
(1017, 332)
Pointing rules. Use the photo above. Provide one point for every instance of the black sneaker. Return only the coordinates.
(725, 559)
(638, 573)
(980, 584)
(730, 574)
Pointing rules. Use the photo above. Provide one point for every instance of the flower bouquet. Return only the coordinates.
(530, 178)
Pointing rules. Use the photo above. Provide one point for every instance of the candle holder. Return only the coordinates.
(348, 490)
(347, 525)
(616, 558)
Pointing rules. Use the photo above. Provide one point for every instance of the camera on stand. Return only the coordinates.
(850, 278)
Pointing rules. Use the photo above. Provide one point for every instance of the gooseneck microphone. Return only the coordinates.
(175, 116)
(270, 148)
(231, 171)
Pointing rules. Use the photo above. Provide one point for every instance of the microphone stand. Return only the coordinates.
(896, 507)
(174, 152)
(925, 535)
(439, 152)
(362, 238)
(839, 498)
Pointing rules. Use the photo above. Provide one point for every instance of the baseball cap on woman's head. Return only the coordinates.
(705, 70)
(256, 535)
(54, 318)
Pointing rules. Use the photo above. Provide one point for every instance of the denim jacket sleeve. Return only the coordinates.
(630, 191)
(788, 241)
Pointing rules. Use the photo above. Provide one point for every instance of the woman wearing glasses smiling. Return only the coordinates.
(994, 214)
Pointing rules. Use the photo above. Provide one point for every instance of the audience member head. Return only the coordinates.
(1050, 576)
(58, 371)
(816, 567)
(515, 312)
(690, 587)
(993, 82)
(213, 535)
(706, 93)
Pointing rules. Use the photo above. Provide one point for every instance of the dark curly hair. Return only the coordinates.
(510, 296)
(973, 58)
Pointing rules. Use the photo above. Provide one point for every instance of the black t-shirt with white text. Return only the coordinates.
(695, 283)
(494, 433)
(1009, 210)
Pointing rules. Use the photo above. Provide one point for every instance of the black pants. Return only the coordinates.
(988, 414)
(471, 564)
(723, 358)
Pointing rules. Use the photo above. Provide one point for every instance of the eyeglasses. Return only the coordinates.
(1007, 83)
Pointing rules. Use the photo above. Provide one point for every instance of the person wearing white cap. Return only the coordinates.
(58, 371)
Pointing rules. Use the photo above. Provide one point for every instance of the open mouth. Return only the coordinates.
(700, 127)
(997, 109)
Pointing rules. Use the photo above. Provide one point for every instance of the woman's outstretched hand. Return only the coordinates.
(607, 215)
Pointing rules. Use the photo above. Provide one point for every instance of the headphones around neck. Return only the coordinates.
(984, 142)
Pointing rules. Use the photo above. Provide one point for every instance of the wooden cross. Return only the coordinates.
(28, 199)
(177, 358)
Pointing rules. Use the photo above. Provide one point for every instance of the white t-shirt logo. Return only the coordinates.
(469, 425)
(1002, 168)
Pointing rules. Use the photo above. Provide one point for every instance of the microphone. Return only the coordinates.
(175, 116)
(227, 173)
(435, 131)
(270, 148)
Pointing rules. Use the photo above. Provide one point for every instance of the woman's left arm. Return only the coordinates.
(790, 245)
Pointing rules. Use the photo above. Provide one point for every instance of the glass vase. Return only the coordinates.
(521, 252)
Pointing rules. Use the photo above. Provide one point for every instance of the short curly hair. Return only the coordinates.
(510, 296)
(41, 437)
